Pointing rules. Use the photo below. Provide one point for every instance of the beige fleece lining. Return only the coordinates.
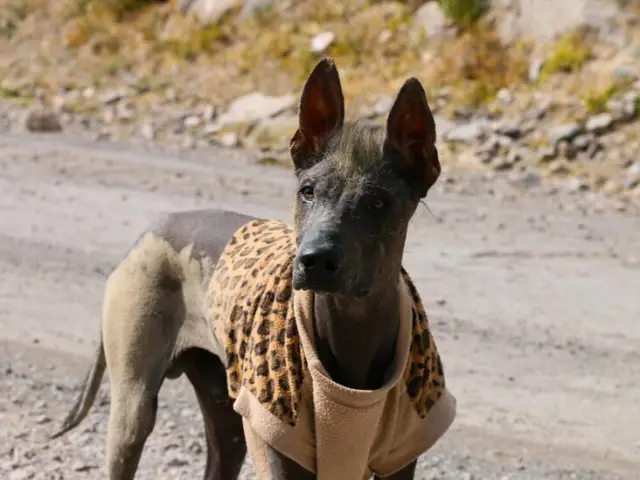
(357, 432)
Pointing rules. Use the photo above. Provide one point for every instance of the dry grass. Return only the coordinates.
(569, 55)
(478, 65)
(92, 43)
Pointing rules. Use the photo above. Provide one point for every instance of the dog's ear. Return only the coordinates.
(411, 132)
(321, 112)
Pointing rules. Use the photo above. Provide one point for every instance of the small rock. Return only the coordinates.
(109, 115)
(211, 128)
(611, 187)
(463, 113)
(24, 473)
(208, 11)
(112, 97)
(468, 133)
(189, 142)
(566, 150)
(272, 133)
(634, 168)
(631, 183)
(208, 113)
(564, 132)
(582, 142)
(558, 167)
(593, 149)
(630, 105)
(171, 95)
(625, 73)
(59, 103)
(544, 154)
(228, 140)
(535, 67)
(510, 128)
(256, 106)
(89, 93)
(576, 184)
(252, 7)
(43, 120)
(383, 106)
(599, 123)
(147, 131)
(430, 21)
(125, 111)
(42, 419)
(192, 121)
(384, 36)
(502, 163)
(322, 41)
(504, 96)
(526, 179)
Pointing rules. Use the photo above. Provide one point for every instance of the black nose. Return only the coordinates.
(322, 258)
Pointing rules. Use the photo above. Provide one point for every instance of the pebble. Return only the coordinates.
(599, 124)
(147, 131)
(582, 142)
(112, 97)
(42, 120)
(228, 140)
(535, 68)
(504, 96)
(469, 132)
(192, 121)
(564, 132)
(42, 419)
(526, 179)
(322, 41)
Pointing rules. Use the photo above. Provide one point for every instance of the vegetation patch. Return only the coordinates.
(463, 13)
(569, 55)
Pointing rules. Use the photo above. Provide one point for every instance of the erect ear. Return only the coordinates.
(411, 131)
(321, 112)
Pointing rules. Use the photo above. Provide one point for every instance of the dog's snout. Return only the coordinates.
(322, 258)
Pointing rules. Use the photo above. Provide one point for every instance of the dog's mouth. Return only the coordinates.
(334, 284)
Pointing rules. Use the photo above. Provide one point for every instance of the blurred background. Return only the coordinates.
(526, 252)
(547, 90)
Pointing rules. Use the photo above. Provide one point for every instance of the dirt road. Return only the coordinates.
(535, 310)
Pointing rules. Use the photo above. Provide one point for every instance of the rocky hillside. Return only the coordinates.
(546, 92)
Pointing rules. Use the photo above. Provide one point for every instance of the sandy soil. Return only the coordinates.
(534, 307)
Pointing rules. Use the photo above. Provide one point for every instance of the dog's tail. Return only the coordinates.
(87, 396)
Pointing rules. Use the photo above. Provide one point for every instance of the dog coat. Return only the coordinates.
(282, 391)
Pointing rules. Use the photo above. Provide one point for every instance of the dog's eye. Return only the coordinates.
(307, 193)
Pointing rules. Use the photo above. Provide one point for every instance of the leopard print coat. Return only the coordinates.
(255, 316)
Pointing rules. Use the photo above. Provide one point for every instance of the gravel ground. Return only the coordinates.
(532, 297)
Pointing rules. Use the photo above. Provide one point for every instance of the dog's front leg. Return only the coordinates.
(407, 473)
(269, 464)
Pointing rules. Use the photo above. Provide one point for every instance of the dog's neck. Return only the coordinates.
(356, 338)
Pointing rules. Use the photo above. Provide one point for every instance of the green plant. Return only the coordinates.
(462, 12)
(569, 55)
(595, 101)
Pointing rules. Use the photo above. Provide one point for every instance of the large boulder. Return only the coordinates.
(210, 11)
(545, 20)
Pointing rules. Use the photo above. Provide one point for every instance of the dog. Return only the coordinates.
(307, 344)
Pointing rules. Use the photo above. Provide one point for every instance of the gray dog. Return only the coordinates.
(307, 345)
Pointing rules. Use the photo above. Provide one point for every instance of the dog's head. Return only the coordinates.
(358, 185)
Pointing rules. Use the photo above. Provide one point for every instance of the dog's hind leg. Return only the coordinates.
(142, 316)
(226, 446)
